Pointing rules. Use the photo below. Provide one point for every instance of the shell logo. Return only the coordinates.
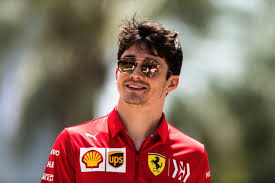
(92, 159)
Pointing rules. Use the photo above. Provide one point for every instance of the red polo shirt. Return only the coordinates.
(101, 151)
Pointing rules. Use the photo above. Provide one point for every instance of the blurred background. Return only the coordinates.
(57, 69)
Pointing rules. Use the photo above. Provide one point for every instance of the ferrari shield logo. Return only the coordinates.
(156, 163)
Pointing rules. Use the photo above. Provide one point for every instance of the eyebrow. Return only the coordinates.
(129, 56)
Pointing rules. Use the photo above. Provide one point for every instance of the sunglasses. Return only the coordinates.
(149, 67)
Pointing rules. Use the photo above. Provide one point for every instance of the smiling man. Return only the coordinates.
(134, 143)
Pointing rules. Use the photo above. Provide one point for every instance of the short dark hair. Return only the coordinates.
(155, 37)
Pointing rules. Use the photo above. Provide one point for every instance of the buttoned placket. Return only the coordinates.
(137, 169)
(138, 154)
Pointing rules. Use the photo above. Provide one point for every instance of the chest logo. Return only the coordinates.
(156, 163)
(93, 136)
(116, 161)
(92, 159)
(181, 170)
(116, 158)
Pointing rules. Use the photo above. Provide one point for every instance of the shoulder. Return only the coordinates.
(95, 125)
(180, 140)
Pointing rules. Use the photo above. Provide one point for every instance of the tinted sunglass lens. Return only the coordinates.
(126, 67)
(149, 68)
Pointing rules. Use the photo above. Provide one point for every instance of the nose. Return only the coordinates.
(137, 71)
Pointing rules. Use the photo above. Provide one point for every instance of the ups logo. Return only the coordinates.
(115, 158)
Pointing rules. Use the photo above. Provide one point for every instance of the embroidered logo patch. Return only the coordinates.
(116, 160)
(181, 170)
(47, 177)
(156, 163)
(92, 159)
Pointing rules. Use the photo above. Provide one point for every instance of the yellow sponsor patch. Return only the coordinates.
(116, 158)
(92, 159)
(156, 163)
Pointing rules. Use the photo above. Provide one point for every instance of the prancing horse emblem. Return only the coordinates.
(156, 163)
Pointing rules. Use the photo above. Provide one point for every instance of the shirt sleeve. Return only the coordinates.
(202, 174)
(60, 167)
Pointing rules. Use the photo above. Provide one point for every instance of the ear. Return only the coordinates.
(116, 72)
(172, 83)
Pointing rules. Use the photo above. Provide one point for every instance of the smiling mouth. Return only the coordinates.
(135, 87)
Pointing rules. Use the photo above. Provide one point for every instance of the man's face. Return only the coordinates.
(135, 88)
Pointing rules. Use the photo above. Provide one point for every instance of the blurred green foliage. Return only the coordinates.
(64, 69)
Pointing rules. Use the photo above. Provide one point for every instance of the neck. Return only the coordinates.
(140, 121)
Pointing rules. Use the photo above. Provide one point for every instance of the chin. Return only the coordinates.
(134, 100)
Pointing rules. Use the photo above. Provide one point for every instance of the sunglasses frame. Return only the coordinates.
(139, 60)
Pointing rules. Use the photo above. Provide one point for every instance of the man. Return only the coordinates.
(134, 143)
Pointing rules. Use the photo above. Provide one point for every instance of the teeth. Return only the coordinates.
(133, 86)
